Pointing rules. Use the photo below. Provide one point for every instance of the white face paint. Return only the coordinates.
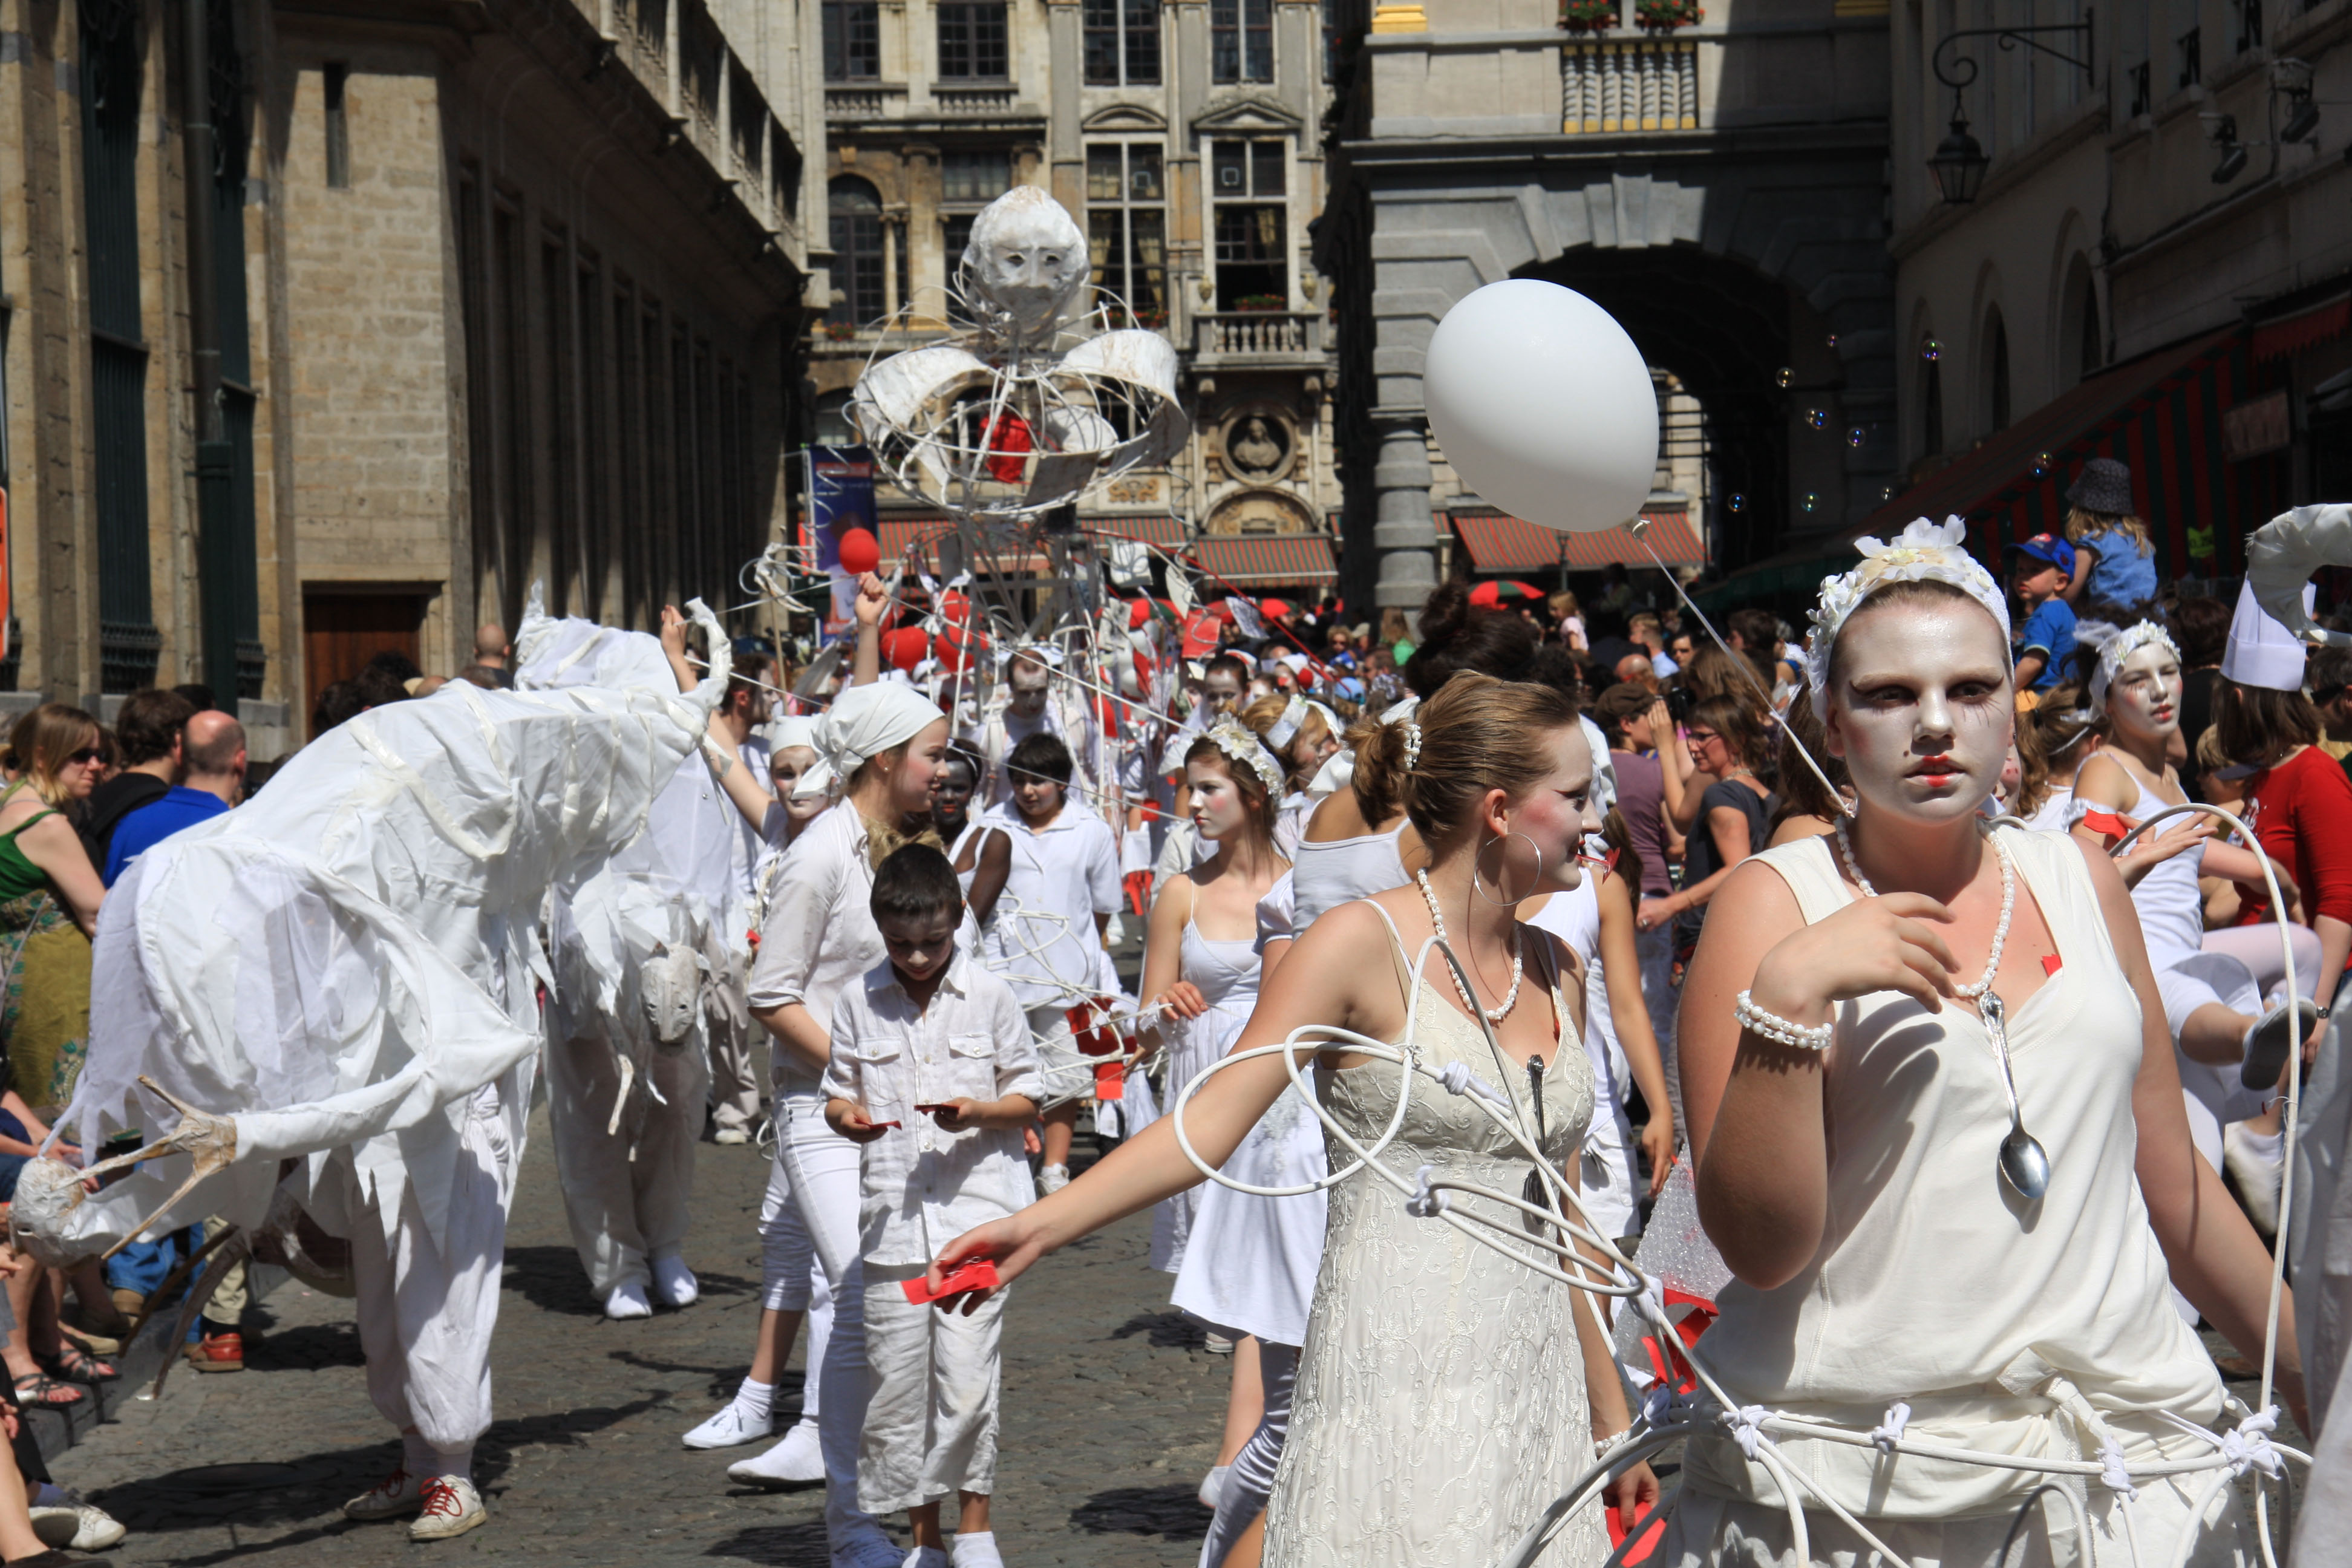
(1554, 818)
(1219, 809)
(1923, 711)
(2144, 699)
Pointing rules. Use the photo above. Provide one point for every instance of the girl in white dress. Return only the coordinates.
(1883, 1250)
(1443, 1397)
(1200, 961)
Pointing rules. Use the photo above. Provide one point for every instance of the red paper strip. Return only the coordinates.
(1110, 1080)
(1641, 1549)
(2050, 965)
(978, 1275)
(2104, 823)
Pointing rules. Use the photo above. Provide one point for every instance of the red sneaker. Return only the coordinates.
(217, 1353)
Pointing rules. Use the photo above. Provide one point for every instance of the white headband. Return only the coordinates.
(1238, 741)
(2121, 646)
(1923, 553)
(1286, 729)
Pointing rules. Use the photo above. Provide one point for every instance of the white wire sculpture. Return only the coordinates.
(1667, 1415)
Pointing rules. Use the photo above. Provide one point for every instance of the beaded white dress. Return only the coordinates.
(1441, 1402)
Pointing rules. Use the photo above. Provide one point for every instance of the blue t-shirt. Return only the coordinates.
(2122, 570)
(2048, 631)
(157, 821)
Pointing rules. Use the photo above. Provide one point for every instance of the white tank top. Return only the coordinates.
(1934, 1284)
(1325, 875)
(1574, 916)
(2171, 910)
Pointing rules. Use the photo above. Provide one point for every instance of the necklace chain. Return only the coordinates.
(1437, 918)
(2000, 929)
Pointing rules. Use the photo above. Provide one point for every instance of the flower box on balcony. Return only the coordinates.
(1261, 302)
(1665, 15)
(1588, 15)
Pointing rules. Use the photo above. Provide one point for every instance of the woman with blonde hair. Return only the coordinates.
(1302, 735)
(1445, 1393)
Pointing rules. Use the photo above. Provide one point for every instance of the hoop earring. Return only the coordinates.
(1478, 866)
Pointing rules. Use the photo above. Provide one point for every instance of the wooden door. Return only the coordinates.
(342, 630)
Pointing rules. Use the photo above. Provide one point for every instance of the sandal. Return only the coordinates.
(38, 1388)
(72, 1362)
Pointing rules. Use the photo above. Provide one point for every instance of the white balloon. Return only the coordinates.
(1543, 405)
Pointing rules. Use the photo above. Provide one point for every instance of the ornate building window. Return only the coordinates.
(853, 41)
(973, 41)
(1246, 185)
(1241, 40)
(855, 213)
(1127, 227)
(1122, 43)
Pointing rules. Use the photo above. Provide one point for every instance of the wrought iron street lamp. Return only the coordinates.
(1960, 163)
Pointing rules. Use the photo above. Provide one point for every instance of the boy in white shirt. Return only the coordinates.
(1060, 893)
(934, 1072)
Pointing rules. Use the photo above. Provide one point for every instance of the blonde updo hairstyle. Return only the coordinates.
(1478, 735)
(1297, 767)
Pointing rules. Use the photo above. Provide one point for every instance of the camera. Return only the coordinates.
(1679, 704)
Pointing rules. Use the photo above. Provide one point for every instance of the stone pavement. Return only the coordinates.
(1111, 1412)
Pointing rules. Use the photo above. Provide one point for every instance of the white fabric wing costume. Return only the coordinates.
(337, 967)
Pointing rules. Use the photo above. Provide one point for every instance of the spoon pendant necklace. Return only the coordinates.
(2024, 1164)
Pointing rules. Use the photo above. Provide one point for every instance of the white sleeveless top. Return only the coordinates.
(2171, 910)
(1325, 875)
(1934, 1284)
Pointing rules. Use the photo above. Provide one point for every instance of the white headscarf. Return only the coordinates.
(863, 721)
(793, 730)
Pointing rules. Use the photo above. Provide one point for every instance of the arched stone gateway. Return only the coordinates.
(1752, 245)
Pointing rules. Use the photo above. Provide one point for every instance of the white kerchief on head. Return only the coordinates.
(2261, 652)
(793, 730)
(863, 721)
(1924, 551)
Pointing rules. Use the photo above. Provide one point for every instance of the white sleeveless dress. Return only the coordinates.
(1440, 1401)
(2032, 1328)
(1226, 973)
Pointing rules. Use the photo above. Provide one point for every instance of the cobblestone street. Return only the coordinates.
(1111, 1412)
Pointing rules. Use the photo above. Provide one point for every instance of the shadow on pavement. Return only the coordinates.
(1174, 1511)
(784, 1545)
(1169, 1331)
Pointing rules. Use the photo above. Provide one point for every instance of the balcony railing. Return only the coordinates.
(993, 99)
(1263, 335)
(1629, 84)
(863, 101)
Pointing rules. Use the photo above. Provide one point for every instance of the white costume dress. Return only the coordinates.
(1606, 1173)
(2040, 1328)
(1440, 1401)
(1226, 973)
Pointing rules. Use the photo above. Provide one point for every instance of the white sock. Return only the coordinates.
(458, 1462)
(977, 1549)
(2268, 1147)
(416, 1455)
(756, 1401)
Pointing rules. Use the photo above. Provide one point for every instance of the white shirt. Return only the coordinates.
(920, 1186)
(752, 842)
(1043, 941)
(1071, 723)
(820, 936)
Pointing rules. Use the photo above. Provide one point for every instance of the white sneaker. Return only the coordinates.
(731, 1135)
(2256, 1161)
(452, 1507)
(1213, 1486)
(977, 1550)
(77, 1527)
(1218, 1344)
(796, 1461)
(396, 1494)
(730, 1428)
(1051, 1180)
(627, 1301)
(924, 1557)
(674, 1283)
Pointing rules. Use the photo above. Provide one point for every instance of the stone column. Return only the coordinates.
(1404, 532)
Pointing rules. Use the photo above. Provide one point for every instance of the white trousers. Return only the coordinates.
(930, 1424)
(820, 1166)
(1250, 1480)
(733, 1085)
(426, 1312)
(626, 1192)
(791, 1280)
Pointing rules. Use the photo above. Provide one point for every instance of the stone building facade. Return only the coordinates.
(1719, 185)
(2153, 262)
(1185, 139)
(507, 292)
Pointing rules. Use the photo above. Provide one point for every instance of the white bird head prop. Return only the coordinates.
(2282, 554)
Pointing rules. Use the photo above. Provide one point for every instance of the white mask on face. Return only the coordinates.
(2144, 699)
(1923, 714)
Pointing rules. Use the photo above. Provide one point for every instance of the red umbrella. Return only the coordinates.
(1276, 609)
(1493, 594)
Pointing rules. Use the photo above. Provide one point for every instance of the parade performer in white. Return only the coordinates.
(1963, 1262)
(1394, 1457)
(346, 982)
(881, 742)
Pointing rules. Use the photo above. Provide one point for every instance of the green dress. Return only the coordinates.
(44, 980)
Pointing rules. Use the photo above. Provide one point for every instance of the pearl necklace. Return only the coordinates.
(1437, 918)
(1999, 930)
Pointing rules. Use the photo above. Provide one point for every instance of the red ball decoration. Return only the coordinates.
(906, 648)
(860, 552)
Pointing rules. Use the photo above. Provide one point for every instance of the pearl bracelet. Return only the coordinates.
(1771, 1026)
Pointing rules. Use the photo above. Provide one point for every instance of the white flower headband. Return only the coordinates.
(1240, 743)
(1294, 718)
(1923, 553)
(2121, 646)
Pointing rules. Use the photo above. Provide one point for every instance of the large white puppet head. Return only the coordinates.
(1910, 671)
(1025, 262)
